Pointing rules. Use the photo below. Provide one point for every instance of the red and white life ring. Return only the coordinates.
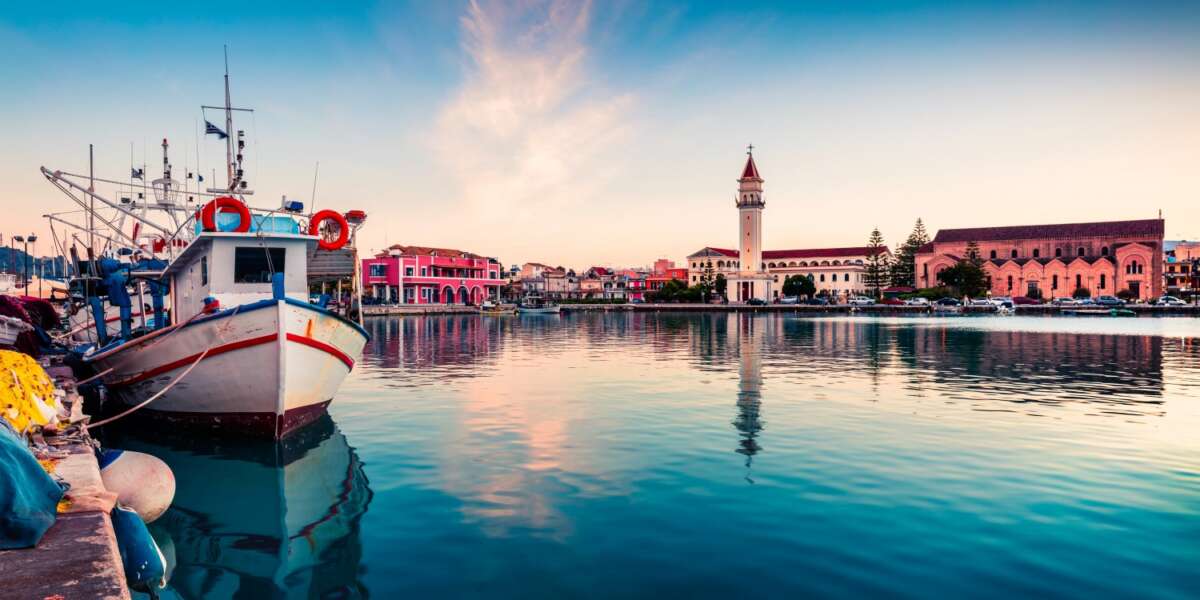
(208, 214)
(314, 228)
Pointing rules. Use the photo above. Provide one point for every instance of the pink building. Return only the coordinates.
(421, 275)
(1052, 261)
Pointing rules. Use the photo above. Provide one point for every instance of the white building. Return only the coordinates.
(750, 281)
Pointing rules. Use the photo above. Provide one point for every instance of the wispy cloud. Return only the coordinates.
(531, 120)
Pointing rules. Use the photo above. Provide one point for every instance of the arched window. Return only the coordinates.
(845, 277)
(1080, 251)
(1103, 250)
(993, 255)
(1058, 252)
(1014, 253)
(822, 277)
(1036, 253)
(792, 264)
(837, 263)
(1010, 283)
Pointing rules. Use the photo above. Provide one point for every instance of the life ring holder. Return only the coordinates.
(314, 228)
(208, 214)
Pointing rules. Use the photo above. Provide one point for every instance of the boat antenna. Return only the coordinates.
(316, 171)
(91, 200)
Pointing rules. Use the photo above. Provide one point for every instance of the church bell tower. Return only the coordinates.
(752, 280)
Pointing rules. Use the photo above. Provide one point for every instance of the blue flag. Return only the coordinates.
(210, 128)
(136, 173)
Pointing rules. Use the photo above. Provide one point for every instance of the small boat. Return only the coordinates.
(536, 304)
(10, 329)
(1099, 312)
(493, 308)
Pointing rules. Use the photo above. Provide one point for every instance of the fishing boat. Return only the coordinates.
(1099, 312)
(234, 342)
(536, 304)
(493, 308)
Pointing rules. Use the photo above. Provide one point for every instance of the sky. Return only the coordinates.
(612, 132)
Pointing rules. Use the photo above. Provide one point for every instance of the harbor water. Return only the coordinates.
(715, 455)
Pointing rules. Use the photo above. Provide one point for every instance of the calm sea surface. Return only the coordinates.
(717, 455)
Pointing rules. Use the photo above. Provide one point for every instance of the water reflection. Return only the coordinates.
(255, 519)
(749, 396)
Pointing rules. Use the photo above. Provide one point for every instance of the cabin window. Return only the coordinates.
(203, 270)
(256, 265)
(378, 270)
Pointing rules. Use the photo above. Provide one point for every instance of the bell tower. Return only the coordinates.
(752, 281)
(750, 206)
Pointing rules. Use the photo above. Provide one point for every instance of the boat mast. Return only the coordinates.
(231, 185)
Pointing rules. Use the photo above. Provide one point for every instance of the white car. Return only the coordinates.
(1170, 301)
(861, 301)
(982, 302)
(790, 300)
(917, 302)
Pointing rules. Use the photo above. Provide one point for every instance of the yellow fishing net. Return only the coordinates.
(26, 392)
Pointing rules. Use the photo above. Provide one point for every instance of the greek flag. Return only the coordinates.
(210, 128)
(135, 173)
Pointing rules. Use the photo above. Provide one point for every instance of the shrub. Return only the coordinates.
(1081, 292)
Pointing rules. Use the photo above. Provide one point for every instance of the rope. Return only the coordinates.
(220, 338)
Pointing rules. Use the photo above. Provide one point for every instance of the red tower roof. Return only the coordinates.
(751, 171)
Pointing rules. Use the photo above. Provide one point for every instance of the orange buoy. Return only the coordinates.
(208, 214)
(314, 228)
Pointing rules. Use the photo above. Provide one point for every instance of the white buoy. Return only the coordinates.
(142, 482)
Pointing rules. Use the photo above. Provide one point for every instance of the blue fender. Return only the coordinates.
(145, 566)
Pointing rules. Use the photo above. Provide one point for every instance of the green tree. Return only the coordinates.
(708, 280)
(904, 269)
(973, 254)
(965, 278)
(721, 285)
(876, 273)
(799, 285)
(1081, 292)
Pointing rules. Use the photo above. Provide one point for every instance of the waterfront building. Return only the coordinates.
(656, 281)
(1052, 261)
(836, 272)
(662, 265)
(425, 275)
(534, 269)
(1181, 267)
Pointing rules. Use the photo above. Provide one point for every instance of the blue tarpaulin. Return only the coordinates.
(28, 496)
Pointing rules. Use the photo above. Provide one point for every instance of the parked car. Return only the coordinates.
(917, 301)
(1064, 302)
(1025, 301)
(1109, 301)
(981, 302)
(818, 301)
(948, 302)
(1168, 301)
(756, 302)
(861, 301)
(790, 300)
(892, 302)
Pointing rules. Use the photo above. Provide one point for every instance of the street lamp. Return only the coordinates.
(17, 238)
(32, 238)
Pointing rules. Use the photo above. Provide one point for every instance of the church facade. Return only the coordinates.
(1053, 261)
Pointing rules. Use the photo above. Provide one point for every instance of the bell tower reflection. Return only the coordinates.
(749, 396)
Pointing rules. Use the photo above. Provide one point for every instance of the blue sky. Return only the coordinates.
(611, 132)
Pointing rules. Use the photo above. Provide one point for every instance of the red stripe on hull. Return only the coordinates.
(322, 346)
(187, 360)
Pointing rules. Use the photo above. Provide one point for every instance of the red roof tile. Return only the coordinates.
(1150, 228)
(427, 251)
(821, 252)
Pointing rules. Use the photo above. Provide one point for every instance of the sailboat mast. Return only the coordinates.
(228, 128)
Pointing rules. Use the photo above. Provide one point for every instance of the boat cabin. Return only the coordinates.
(237, 268)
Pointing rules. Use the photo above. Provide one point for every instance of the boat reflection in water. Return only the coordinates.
(260, 519)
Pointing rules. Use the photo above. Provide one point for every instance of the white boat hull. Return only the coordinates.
(270, 367)
(545, 310)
